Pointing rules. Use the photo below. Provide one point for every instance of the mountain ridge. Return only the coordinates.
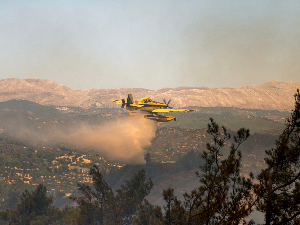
(272, 95)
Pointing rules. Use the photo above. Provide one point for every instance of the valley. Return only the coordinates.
(174, 151)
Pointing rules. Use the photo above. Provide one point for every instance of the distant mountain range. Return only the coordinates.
(273, 95)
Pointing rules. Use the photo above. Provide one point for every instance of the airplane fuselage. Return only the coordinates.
(152, 107)
(146, 107)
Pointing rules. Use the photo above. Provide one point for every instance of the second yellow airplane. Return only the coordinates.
(147, 105)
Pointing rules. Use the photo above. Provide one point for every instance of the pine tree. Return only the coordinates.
(130, 195)
(224, 196)
(148, 214)
(35, 206)
(278, 191)
(96, 201)
(174, 211)
(100, 205)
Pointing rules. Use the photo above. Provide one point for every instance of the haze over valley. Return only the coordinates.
(71, 130)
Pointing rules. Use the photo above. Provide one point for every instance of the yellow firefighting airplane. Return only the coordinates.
(147, 105)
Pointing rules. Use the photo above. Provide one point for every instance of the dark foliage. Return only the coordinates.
(100, 205)
(278, 191)
(35, 208)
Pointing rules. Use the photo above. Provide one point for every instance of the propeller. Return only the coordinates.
(167, 103)
(123, 103)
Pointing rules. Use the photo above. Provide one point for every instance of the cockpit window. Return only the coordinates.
(147, 100)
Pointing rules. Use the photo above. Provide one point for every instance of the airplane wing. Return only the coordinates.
(171, 110)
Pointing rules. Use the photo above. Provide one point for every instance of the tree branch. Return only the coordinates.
(286, 184)
(288, 220)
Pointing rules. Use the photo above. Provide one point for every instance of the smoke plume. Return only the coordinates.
(121, 139)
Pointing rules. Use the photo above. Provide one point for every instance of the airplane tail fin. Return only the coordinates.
(129, 100)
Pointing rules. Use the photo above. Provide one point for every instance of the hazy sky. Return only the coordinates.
(150, 43)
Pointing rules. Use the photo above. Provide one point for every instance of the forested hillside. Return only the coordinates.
(171, 160)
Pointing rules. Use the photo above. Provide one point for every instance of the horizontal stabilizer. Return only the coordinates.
(119, 102)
